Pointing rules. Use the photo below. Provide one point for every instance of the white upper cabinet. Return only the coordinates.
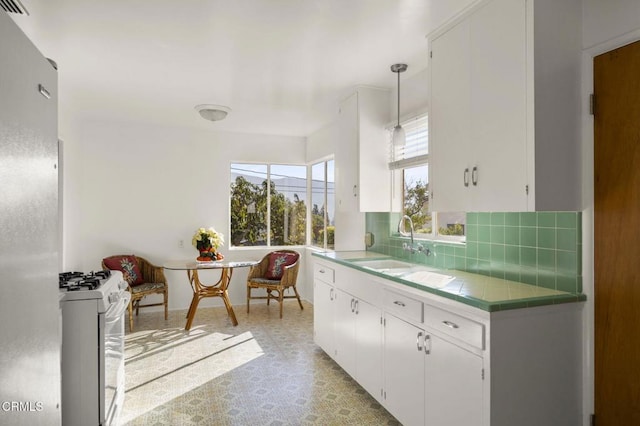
(346, 165)
(363, 179)
(504, 132)
(450, 107)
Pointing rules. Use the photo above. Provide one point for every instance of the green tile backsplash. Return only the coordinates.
(538, 248)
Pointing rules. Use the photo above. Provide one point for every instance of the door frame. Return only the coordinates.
(588, 243)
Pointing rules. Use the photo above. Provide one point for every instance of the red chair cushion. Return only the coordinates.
(277, 261)
(129, 266)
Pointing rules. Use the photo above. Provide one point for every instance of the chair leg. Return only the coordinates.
(281, 300)
(166, 305)
(268, 296)
(130, 316)
(248, 297)
(298, 297)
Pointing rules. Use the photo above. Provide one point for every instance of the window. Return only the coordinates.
(323, 205)
(413, 160)
(416, 198)
(268, 205)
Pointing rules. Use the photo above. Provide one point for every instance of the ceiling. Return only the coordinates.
(280, 65)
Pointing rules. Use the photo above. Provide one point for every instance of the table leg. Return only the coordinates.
(225, 279)
(201, 291)
(192, 311)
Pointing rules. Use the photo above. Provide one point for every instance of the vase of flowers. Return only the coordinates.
(207, 241)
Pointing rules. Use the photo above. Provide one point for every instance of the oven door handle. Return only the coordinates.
(111, 317)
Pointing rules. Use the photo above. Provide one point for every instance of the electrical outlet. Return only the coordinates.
(181, 243)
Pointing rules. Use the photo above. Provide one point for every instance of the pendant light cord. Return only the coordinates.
(398, 98)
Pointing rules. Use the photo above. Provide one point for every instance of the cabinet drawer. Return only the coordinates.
(324, 273)
(403, 306)
(463, 329)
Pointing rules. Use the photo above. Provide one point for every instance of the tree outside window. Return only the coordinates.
(323, 205)
(268, 205)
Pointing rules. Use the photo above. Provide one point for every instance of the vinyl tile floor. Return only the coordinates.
(265, 371)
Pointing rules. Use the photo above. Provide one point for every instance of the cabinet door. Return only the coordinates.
(450, 119)
(453, 384)
(369, 348)
(404, 371)
(346, 162)
(498, 106)
(375, 190)
(323, 295)
(345, 331)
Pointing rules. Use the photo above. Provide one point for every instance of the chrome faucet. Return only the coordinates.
(402, 228)
(402, 231)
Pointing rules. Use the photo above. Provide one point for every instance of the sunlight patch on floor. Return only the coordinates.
(169, 363)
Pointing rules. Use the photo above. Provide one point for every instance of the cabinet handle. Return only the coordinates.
(450, 324)
(418, 341)
(474, 176)
(321, 271)
(399, 303)
(355, 190)
(43, 91)
(357, 307)
(427, 344)
(331, 294)
(353, 305)
(465, 177)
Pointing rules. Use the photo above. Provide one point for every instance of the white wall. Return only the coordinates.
(605, 21)
(607, 25)
(134, 188)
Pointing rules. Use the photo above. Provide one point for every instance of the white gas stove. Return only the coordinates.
(93, 308)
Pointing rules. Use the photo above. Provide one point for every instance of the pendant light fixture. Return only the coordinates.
(399, 138)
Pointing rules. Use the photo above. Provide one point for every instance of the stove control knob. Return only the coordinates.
(114, 297)
(122, 285)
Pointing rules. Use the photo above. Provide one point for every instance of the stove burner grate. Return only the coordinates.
(77, 281)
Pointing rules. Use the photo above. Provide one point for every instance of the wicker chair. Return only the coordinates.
(257, 279)
(154, 283)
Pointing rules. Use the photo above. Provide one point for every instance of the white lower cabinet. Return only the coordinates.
(358, 340)
(429, 380)
(435, 362)
(404, 366)
(349, 329)
(453, 384)
(369, 347)
(323, 333)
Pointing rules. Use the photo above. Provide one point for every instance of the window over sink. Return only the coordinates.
(413, 160)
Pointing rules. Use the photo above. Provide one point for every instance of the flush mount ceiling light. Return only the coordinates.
(398, 132)
(213, 112)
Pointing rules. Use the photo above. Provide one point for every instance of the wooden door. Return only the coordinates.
(617, 236)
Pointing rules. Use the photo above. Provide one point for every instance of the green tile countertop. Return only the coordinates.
(483, 292)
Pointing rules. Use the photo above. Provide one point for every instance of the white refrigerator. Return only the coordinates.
(30, 330)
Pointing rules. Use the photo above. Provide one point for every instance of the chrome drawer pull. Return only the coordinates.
(321, 271)
(427, 344)
(450, 324)
(418, 341)
(397, 302)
